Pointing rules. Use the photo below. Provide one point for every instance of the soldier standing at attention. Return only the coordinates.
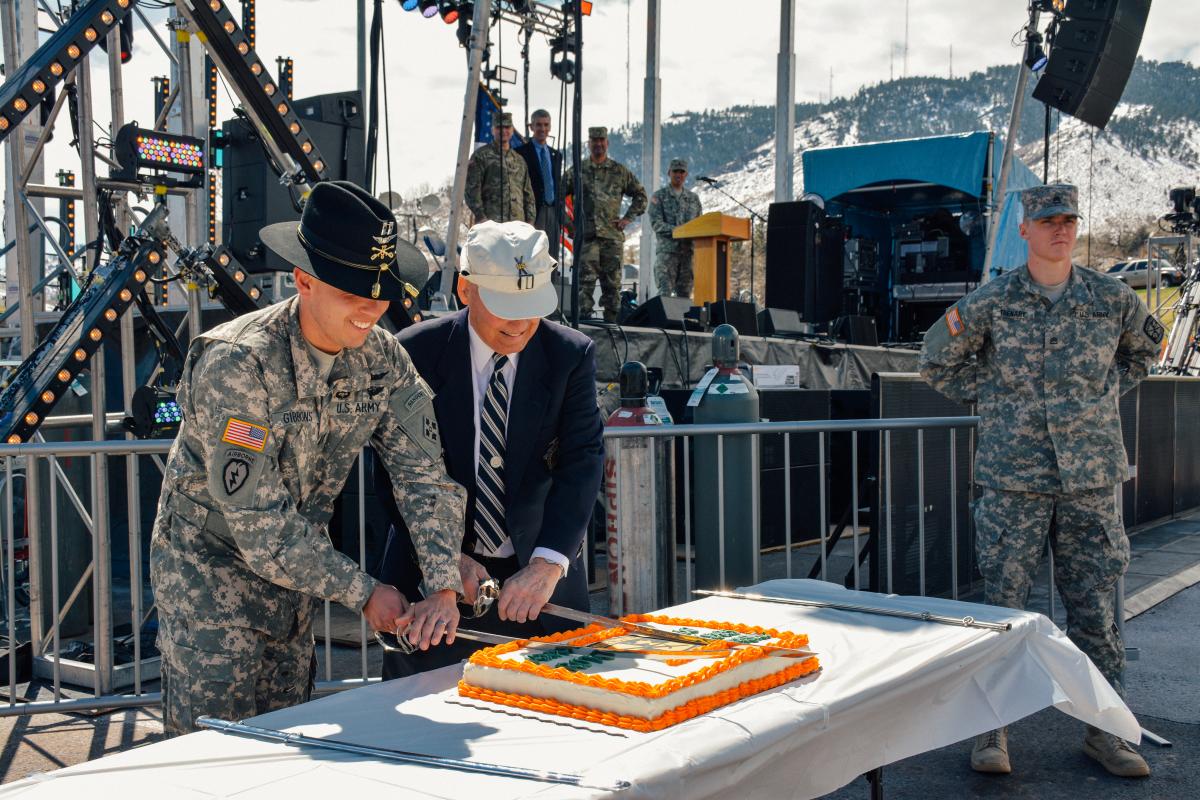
(605, 183)
(498, 185)
(276, 406)
(1046, 351)
(671, 206)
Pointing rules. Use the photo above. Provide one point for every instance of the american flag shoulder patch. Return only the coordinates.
(954, 322)
(245, 434)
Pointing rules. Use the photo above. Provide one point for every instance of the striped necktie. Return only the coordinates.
(489, 479)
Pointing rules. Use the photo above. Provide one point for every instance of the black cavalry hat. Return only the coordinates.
(349, 240)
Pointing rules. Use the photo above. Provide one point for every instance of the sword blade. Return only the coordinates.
(658, 655)
(668, 636)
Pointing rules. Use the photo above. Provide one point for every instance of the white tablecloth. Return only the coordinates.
(889, 689)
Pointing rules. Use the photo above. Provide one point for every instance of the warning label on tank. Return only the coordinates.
(729, 388)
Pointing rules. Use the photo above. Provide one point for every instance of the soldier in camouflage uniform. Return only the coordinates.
(1045, 351)
(670, 207)
(276, 406)
(599, 254)
(498, 186)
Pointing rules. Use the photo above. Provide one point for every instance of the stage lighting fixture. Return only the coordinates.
(136, 148)
(155, 414)
(92, 318)
(429, 8)
(1035, 55)
(562, 65)
(125, 37)
(49, 63)
(449, 11)
(250, 80)
(410, 5)
(230, 284)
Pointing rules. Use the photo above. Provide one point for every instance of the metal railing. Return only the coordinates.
(768, 561)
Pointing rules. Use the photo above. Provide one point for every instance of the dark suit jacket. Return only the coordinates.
(554, 458)
(529, 153)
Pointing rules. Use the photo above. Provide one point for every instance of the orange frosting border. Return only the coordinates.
(489, 657)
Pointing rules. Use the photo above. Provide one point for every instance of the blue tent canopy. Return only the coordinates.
(928, 172)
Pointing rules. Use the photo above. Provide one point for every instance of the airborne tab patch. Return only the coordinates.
(245, 434)
(954, 322)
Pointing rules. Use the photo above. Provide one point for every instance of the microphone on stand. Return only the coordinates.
(708, 180)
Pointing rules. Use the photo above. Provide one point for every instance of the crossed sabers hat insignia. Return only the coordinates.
(383, 251)
(524, 279)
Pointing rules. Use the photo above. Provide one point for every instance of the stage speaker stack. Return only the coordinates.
(782, 322)
(253, 196)
(1091, 56)
(804, 260)
(741, 316)
(671, 313)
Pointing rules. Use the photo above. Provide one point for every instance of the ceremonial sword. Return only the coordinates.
(392, 641)
(405, 756)
(920, 616)
(669, 636)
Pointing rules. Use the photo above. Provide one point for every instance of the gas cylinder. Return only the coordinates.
(725, 554)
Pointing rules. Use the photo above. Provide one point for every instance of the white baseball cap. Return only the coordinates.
(510, 265)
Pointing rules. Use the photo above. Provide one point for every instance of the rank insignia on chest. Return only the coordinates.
(954, 322)
(245, 434)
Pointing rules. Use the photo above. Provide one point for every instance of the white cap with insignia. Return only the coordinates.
(510, 265)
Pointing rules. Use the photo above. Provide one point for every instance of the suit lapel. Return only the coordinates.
(454, 402)
(526, 411)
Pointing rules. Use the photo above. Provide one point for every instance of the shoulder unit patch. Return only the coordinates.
(1153, 330)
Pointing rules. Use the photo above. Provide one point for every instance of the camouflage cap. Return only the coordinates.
(598, 132)
(678, 163)
(502, 120)
(1040, 202)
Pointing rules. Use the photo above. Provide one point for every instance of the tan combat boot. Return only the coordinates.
(990, 753)
(1114, 754)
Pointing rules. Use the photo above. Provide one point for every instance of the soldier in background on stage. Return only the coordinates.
(671, 206)
(498, 185)
(1046, 351)
(600, 253)
(277, 405)
(545, 166)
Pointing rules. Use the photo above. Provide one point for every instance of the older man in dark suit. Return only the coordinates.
(515, 399)
(545, 166)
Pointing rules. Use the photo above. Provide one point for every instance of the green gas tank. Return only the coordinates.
(724, 473)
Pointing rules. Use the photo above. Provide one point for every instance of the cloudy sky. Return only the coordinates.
(715, 53)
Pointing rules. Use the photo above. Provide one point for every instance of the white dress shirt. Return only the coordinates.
(481, 373)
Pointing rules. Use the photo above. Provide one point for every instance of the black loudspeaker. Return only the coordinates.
(781, 322)
(856, 329)
(780, 405)
(741, 316)
(664, 312)
(253, 196)
(1091, 56)
(791, 244)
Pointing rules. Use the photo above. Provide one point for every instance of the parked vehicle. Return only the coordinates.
(1136, 272)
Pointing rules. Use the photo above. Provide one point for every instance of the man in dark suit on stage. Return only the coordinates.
(515, 399)
(545, 169)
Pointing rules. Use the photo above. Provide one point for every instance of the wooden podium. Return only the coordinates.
(712, 234)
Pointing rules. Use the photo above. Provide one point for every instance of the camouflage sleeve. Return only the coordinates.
(434, 506)
(1141, 338)
(697, 207)
(657, 222)
(473, 196)
(634, 189)
(530, 201)
(230, 421)
(948, 354)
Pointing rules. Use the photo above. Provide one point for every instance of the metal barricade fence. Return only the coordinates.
(43, 550)
(44, 546)
(769, 564)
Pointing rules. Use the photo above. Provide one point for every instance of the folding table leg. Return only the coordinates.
(875, 778)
